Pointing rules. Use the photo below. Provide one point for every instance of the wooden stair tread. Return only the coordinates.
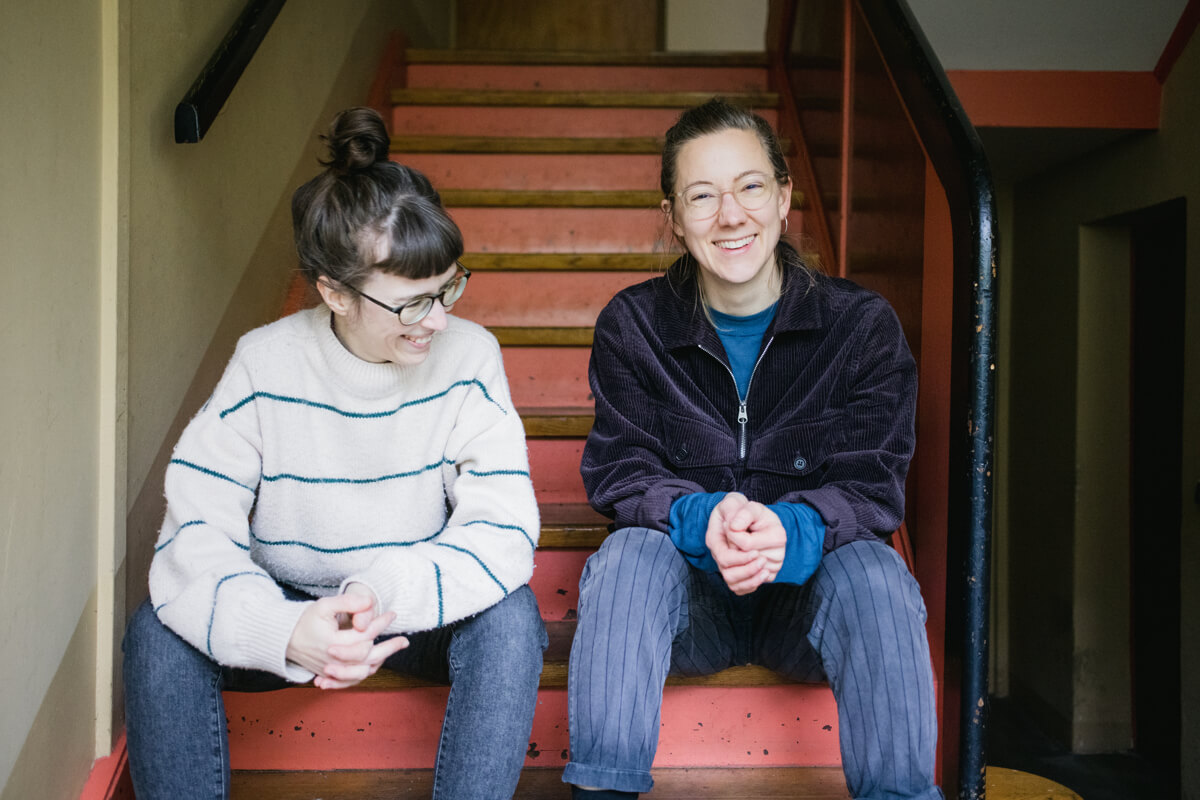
(556, 421)
(557, 198)
(711, 783)
(585, 99)
(543, 336)
(571, 525)
(546, 145)
(572, 145)
(571, 262)
(566, 57)
(550, 198)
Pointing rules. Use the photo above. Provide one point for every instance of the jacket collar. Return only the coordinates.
(681, 320)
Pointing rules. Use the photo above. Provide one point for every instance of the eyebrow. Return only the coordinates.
(735, 179)
(396, 303)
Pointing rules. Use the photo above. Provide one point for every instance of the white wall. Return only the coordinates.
(50, 151)
(716, 25)
(1059, 35)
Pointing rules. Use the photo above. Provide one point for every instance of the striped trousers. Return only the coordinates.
(858, 623)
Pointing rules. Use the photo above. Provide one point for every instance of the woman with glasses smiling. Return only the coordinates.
(754, 425)
(355, 494)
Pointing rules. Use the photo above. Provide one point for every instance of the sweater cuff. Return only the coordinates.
(689, 525)
(805, 539)
(265, 641)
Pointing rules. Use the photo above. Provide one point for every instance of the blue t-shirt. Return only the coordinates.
(742, 339)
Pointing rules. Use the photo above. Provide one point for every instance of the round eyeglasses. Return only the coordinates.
(416, 309)
(702, 201)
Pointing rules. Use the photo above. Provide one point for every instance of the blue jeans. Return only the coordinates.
(859, 623)
(175, 716)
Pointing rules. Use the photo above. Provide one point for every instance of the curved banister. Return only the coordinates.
(956, 155)
(212, 87)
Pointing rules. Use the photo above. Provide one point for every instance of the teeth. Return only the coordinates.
(419, 339)
(735, 243)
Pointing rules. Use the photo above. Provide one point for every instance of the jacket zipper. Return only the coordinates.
(743, 416)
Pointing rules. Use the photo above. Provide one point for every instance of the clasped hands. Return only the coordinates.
(747, 541)
(335, 638)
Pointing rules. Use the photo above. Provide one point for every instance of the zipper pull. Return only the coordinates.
(743, 415)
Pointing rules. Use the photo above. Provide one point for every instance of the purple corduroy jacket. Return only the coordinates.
(828, 419)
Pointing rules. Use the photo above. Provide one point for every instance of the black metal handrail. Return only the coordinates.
(957, 156)
(212, 87)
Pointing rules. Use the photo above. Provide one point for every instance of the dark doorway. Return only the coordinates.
(1156, 423)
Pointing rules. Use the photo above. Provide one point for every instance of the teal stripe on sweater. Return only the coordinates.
(437, 576)
(482, 565)
(505, 527)
(210, 472)
(337, 550)
(289, 476)
(282, 398)
(189, 524)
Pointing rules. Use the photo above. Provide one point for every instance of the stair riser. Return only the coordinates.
(556, 582)
(570, 230)
(562, 230)
(792, 725)
(586, 78)
(541, 299)
(509, 121)
(554, 465)
(544, 376)
(560, 172)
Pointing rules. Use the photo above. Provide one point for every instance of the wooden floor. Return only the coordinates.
(796, 783)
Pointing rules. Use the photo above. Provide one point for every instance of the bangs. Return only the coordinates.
(422, 239)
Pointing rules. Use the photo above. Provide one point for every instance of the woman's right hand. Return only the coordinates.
(341, 658)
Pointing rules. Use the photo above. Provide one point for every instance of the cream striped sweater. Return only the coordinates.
(313, 468)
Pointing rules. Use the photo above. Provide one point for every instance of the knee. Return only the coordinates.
(153, 652)
(869, 572)
(631, 552)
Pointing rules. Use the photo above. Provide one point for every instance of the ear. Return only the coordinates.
(340, 301)
(668, 208)
(785, 199)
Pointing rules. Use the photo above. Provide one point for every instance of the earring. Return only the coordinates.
(785, 225)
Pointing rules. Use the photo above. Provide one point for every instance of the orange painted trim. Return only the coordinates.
(109, 778)
(1178, 41)
(1058, 99)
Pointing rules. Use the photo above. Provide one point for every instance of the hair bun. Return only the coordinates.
(357, 140)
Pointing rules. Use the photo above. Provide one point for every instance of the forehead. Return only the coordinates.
(721, 157)
(394, 288)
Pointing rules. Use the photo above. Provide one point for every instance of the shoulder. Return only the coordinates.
(464, 338)
(288, 333)
(637, 302)
(846, 301)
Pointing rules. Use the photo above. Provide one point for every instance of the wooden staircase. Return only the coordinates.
(549, 164)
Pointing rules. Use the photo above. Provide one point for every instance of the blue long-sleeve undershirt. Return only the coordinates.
(804, 526)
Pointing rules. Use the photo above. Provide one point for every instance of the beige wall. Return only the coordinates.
(721, 25)
(1061, 610)
(131, 264)
(50, 152)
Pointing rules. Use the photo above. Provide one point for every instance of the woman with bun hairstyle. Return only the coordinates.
(754, 425)
(354, 494)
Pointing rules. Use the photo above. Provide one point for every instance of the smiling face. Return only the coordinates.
(734, 248)
(375, 334)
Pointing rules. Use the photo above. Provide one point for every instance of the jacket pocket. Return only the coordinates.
(699, 451)
(797, 451)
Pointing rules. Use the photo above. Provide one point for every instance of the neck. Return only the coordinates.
(741, 300)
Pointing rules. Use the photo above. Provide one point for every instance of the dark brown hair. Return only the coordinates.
(338, 216)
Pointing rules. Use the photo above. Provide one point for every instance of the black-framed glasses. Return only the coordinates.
(416, 309)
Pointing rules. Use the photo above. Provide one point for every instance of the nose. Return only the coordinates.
(730, 212)
(435, 320)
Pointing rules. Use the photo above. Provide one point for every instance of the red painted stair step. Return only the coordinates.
(587, 78)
